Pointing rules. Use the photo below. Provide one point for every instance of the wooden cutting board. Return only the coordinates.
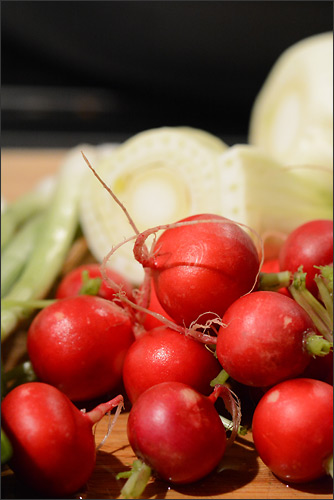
(245, 475)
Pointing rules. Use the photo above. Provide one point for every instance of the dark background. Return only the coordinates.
(76, 71)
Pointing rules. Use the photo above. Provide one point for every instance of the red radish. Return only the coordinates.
(270, 266)
(162, 355)
(200, 267)
(79, 344)
(177, 431)
(309, 245)
(265, 339)
(293, 429)
(53, 443)
(154, 305)
(72, 284)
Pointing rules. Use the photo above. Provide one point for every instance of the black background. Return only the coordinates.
(75, 71)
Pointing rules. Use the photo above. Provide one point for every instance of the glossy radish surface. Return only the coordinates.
(162, 355)
(53, 443)
(309, 245)
(293, 429)
(72, 284)
(202, 267)
(154, 305)
(263, 339)
(177, 432)
(79, 344)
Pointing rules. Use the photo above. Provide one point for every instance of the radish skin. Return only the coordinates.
(80, 353)
(201, 268)
(297, 443)
(264, 339)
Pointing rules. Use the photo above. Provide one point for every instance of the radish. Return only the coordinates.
(177, 432)
(78, 281)
(200, 267)
(79, 344)
(309, 245)
(293, 429)
(163, 354)
(53, 443)
(266, 338)
(154, 305)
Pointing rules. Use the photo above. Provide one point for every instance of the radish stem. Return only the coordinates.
(90, 286)
(274, 281)
(317, 345)
(321, 317)
(138, 478)
(97, 413)
(221, 378)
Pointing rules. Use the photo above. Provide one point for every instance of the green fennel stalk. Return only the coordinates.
(54, 240)
(22, 209)
(17, 252)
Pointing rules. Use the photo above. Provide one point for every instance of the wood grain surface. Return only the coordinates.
(245, 475)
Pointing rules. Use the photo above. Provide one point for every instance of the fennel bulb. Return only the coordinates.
(271, 199)
(292, 116)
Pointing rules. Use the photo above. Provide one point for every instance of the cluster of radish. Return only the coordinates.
(200, 312)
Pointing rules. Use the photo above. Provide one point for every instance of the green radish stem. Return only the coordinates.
(274, 281)
(137, 479)
(321, 316)
(221, 378)
(316, 345)
(324, 283)
(228, 424)
(90, 286)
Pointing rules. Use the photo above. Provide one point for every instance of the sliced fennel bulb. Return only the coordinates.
(160, 175)
(292, 116)
(259, 192)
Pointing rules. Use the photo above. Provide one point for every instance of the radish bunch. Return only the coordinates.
(202, 314)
